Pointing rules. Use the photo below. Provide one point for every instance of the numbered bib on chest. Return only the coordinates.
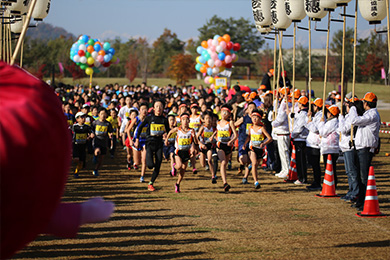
(81, 138)
(157, 129)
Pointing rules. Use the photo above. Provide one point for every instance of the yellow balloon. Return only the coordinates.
(216, 87)
(89, 71)
(197, 59)
(90, 61)
(211, 80)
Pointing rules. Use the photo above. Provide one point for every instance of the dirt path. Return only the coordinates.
(279, 221)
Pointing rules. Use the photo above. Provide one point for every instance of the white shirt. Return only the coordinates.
(329, 136)
(367, 135)
(345, 132)
(313, 138)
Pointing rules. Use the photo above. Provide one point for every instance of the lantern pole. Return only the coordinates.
(273, 83)
(293, 77)
(23, 33)
(310, 63)
(326, 65)
(277, 79)
(90, 82)
(1, 36)
(354, 62)
(342, 60)
(388, 38)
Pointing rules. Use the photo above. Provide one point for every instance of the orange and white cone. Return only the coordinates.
(292, 169)
(265, 157)
(371, 204)
(328, 187)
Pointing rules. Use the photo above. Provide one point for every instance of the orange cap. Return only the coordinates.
(353, 100)
(338, 97)
(253, 95)
(334, 110)
(263, 87)
(271, 71)
(284, 91)
(303, 100)
(370, 97)
(318, 102)
(297, 93)
(246, 95)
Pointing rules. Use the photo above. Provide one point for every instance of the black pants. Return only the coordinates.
(335, 156)
(154, 157)
(277, 163)
(313, 156)
(365, 159)
(271, 155)
(300, 154)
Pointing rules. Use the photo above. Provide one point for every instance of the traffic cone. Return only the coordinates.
(371, 204)
(328, 187)
(292, 169)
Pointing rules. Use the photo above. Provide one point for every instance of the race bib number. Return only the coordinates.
(257, 140)
(223, 136)
(101, 129)
(143, 132)
(70, 122)
(248, 127)
(172, 138)
(207, 134)
(184, 143)
(81, 138)
(195, 125)
(127, 114)
(157, 129)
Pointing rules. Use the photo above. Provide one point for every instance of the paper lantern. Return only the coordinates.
(279, 17)
(263, 30)
(17, 26)
(295, 10)
(313, 10)
(262, 12)
(328, 5)
(19, 7)
(342, 2)
(41, 10)
(374, 11)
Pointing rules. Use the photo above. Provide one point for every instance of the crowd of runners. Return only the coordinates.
(195, 127)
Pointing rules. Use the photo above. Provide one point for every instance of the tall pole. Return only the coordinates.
(388, 39)
(326, 65)
(342, 60)
(354, 61)
(273, 83)
(293, 77)
(23, 33)
(310, 63)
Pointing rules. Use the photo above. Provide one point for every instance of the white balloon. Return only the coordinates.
(209, 51)
(215, 42)
(76, 58)
(219, 48)
(94, 54)
(82, 47)
(215, 70)
(97, 63)
(83, 59)
(210, 62)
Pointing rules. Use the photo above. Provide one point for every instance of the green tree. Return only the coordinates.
(166, 46)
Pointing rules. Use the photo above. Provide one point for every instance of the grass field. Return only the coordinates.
(279, 221)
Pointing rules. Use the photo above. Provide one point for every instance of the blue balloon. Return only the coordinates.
(80, 41)
(209, 71)
(198, 66)
(204, 52)
(97, 47)
(107, 57)
(111, 51)
(201, 59)
(106, 46)
(85, 38)
(219, 91)
(207, 57)
(221, 56)
(200, 49)
(216, 37)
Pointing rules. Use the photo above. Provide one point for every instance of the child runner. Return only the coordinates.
(101, 133)
(182, 109)
(226, 135)
(184, 144)
(169, 150)
(205, 136)
(157, 126)
(81, 133)
(244, 124)
(139, 152)
(195, 123)
(129, 133)
(113, 119)
(256, 136)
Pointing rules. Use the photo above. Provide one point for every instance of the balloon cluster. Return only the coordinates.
(216, 55)
(91, 55)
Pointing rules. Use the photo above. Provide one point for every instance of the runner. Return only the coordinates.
(81, 133)
(169, 150)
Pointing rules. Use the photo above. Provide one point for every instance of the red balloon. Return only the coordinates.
(236, 47)
(229, 45)
(228, 66)
(81, 53)
(106, 64)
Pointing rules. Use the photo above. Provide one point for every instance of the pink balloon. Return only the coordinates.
(206, 80)
(214, 56)
(218, 63)
(212, 48)
(234, 56)
(212, 86)
(210, 42)
(223, 44)
(228, 58)
(117, 61)
(100, 58)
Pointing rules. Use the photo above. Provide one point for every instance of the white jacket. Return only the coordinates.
(329, 136)
(280, 124)
(313, 138)
(300, 132)
(345, 132)
(367, 134)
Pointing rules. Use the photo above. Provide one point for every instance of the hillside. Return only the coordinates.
(45, 31)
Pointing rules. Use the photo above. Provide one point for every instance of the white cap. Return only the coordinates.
(97, 87)
(125, 87)
(80, 114)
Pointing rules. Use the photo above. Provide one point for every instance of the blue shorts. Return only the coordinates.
(140, 146)
(168, 150)
(242, 152)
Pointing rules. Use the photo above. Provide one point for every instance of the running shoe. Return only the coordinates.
(95, 173)
(229, 165)
(135, 166)
(76, 175)
(194, 171)
(298, 182)
(245, 181)
(207, 167)
(173, 172)
(94, 159)
(177, 188)
(313, 187)
(142, 179)
(239, 172)
(226, 187)
(213, 180)
(151, 188)
(129, 166)
(257, 185)
(250, 167)
(189, 164)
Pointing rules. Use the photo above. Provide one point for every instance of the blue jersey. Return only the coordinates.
(244, 128)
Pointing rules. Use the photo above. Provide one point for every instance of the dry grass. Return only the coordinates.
(279, 221)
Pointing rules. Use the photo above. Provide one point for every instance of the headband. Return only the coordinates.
(184, 115)
(227, 109)
(182, 105)
(256, 114)
(194, 105)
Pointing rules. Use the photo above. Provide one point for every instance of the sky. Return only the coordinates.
(108, 19)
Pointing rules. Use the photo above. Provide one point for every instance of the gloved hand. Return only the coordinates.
(96, 210)
(292, 115)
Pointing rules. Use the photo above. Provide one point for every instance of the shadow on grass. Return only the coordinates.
(384, 243)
